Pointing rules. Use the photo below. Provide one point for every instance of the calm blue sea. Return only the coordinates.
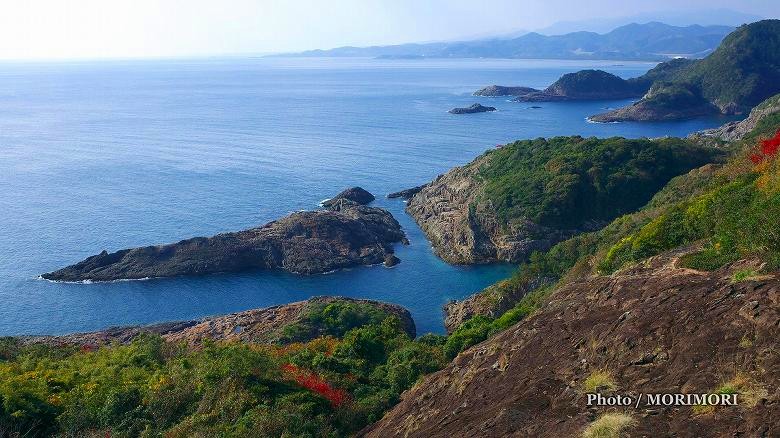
(108, 155)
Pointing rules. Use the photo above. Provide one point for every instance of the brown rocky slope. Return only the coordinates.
(652, 328)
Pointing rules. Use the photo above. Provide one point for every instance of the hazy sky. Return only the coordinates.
(140, 28)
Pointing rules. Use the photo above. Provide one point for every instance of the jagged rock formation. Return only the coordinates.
(500, 91)
(472, 109)
(251, 326)
(653, 328)
(307, 242)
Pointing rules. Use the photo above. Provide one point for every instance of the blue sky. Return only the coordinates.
(160, 28)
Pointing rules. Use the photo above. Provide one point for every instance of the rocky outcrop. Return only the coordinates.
(357, 195)
(500, 91)
(475, 108)
(654, 328)
(251, 326)
(584, 85)
(307, 242)
(492, 302)
(463, 227)
(734, 131)
(407, 193)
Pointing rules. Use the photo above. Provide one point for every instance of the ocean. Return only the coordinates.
(116, 154)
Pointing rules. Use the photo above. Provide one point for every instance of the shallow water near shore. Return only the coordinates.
(117, 154)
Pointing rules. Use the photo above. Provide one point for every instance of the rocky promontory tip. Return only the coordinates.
(357, 195)
(407, 193)
(476, 108)
(345, 234)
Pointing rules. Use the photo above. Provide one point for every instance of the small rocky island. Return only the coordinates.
(476, 108)
(346, 233)
(502, 91)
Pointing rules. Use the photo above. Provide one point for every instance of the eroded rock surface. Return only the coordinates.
(654, 328)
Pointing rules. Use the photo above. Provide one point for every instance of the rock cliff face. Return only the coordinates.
(251, 326)
(654, 328)
(734, 131)
(305, 242)
(464, 228)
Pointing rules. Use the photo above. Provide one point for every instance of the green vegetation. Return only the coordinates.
(480, 327)
(722, 208)
(595, 83)
(745, 68)
(742, 275)
(332, 319)
(325, 387)
(609, 425)
(673, 96)
(567, 182)
(344, 364)
(731, 218)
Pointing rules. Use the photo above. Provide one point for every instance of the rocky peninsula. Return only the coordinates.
(346, 233)
(265, 325)
(529, 195)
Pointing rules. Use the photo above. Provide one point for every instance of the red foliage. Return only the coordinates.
(768, 149)
(315, 383)
(770, 146)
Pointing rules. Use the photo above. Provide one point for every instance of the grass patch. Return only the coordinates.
(743, 275)
(609, 425)
(599, 381)
(749, 391)
(703, 409)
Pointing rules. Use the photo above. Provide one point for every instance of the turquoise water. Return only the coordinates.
(111, 155)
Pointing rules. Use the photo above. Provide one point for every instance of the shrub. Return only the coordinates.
(609, 425)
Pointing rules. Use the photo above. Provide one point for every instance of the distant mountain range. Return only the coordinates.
(649, 41)
(675, 17)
